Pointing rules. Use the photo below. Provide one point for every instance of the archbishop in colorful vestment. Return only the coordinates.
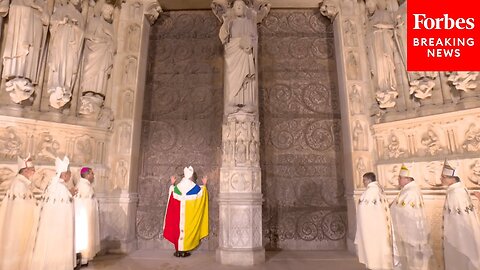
(186, 217)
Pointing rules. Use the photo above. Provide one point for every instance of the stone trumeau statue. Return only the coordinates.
(238, 34)
(25, 42)
(67, 27)
(98, 61)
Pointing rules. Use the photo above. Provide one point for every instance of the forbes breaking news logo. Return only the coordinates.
(441, 36)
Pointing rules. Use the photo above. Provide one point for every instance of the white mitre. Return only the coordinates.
(448, 170)
(24, 163)
(404, 171)
(188, 172)
(61, 165)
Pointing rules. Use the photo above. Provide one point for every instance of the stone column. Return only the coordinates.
(240, 198)
(353, 86)
(119, 201)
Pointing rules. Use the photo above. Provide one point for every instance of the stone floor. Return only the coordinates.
(201, 260)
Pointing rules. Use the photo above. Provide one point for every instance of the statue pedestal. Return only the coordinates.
(240, 198)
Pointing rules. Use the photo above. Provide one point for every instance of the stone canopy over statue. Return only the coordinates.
(239, 36)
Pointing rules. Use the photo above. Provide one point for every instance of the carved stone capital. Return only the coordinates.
(329, 8)
(152, 10)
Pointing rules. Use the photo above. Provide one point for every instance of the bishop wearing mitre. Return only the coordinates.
(18, 219)
(186, 218)
(373, 238)
(461, 224)
(410, 226)
(87, 229)
(54, 246)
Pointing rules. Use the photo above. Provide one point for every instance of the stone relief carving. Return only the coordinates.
(431, 142)
(11, 143)
(359, 139)
(432, 172)
(132, 42)
(98, 56)
(48, 147)
(474, 174)
(356, 100)
(392, 175)
(6, 177)
(121, 179)
(239, 36)
(105, 118)
(422, 84)
(135, 10)
(127, 104)
(152, 10)
(25, 40)
(360, 168)
(393, 147)
(130, 71)
(329, 8)
(350, 33)
(84, 149)
(66, 42)
(463, 80)
(472, 139)
(125, 133)
(353, 69)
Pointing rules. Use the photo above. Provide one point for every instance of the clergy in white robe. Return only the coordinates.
(373, 238)
(18, 219)
(54, 245)
(410, 226)
(87, 230)
(461, 225)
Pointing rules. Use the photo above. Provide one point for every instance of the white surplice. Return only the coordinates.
(373, 238)
(461, 235)
(87, 230)
(54, 245)
(411, 229)
(18, 221)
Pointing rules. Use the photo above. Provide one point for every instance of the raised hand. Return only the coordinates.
(204, 180)
(172, 180)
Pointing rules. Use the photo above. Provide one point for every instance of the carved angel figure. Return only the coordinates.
(238, 34)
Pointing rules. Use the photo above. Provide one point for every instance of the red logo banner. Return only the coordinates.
(443, 35)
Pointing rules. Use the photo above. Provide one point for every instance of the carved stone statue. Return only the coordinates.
(381, 49)
(239, 35)
(98, 55)
(25, 40)
(463, 80)
(4, 4)
(66, 41)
